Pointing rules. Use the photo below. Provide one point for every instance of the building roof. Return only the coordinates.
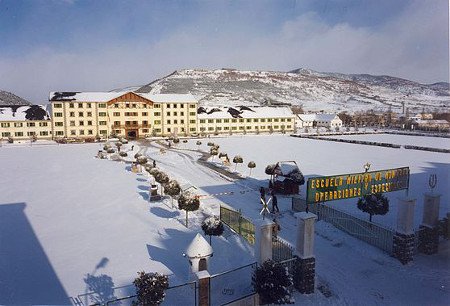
(24, 112)
(244, 112)
(286, 167)
(103, 97)
(431, 121)
(317, 117)
(199, 248)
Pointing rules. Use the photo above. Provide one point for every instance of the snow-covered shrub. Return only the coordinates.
(185, 141)
(142, 160)
(118, 145)
(188, 202)
(237, 160)
(374, 204)
(212, 226)
(150, 288)
(137, 155)
(110, 150)
(172, 188)
(161, 178)
(107, 146)
(210, 144)
(123, 140)
(251, 165)
(272, 281)
(176, 140)
(213, 152)
(198, 143)
(123, 154)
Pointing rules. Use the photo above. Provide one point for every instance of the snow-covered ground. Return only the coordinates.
(65, 214)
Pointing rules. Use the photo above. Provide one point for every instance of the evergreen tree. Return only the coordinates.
(272, 281)
(374, 204)
(150, 288)
(172, 188)
(212, 226)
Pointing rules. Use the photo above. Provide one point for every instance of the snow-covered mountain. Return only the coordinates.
(313, 90)
(7, 98)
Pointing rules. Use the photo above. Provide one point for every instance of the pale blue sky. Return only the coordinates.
(55, 45)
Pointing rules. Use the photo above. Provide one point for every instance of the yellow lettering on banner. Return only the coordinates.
(350, 193)
(335, 195)
(359, 192)
(317, 197)
(326, 196)
(339, 194)
(349, 180)
(312, 184)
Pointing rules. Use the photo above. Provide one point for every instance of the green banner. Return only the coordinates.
(338, 187)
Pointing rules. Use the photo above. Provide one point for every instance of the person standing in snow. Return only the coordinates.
(274, 203)
(262, 191)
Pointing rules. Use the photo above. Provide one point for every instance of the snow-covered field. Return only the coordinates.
(421, 141)
(65, 214)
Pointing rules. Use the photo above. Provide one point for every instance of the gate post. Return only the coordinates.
(403, 247)
(304, 271)
(203, 279)
(263, 240)
(429, 231)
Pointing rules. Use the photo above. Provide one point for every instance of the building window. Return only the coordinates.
(31, 133)
(59, 133)
(168, 113)
(282, 119)
(102, 114)
(102, 123)
(241, 120)
(144, 130)
(191, 105)
(249, 120)
(210, 128)
(81, 123)
(210, 121)
(157, 122)
(145, 123)
(255, 120)
(6, 134)
(117, 123)
(18, 134)
(58, 115)
(168, 130)
(233, 120)
(90, 132)
(43, 124)
(192, 121)
(80, 105)
(73, 132)
(59, 123)
(191, 113)
(103, 132)
(168, 121)
(89, 114)
(218, 120)
(144, 114)
(157, 106)
(275, 120)
(249, 127)
(226, 120)
(88, 105)
(102, 105)
(43, 133)
(269, 120)
(226, 128)
(157, 113)
(72, 123)
(4, 124)
(192, 129)
(175, 113)
(89, 122)
(57, 105)
(116, 114)
(263, 120)
(202, 120)
(175, 106)
(175, 121)
(81, 132)
(72, 114)
(18, 124)
(71, 105)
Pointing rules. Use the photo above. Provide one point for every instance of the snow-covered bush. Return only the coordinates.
(188, 202)
(123, 154)
(137, 155)
(237, 160)
(374, 204)
(123, 140)
(107, 146)
(150, 288)
(118, 145)
(272, 281)
(142, 160)
(212, 226)
(251, 165)
(110, 150)
(198, 143)
(176, 140)
(172, 188)
(161, 178)
(213, 152)
(210, 144)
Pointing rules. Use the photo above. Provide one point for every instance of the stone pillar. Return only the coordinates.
(403, 247)
(429, 230)
(304, 273)
(263, 240)
(203, 279)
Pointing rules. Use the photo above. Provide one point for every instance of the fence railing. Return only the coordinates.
(374, 234)
(281, 250)
(231, 285)
(238, 223)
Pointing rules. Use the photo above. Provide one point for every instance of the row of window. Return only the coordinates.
(20, 124)
(248, 120)
(248, 127)
(21, 134)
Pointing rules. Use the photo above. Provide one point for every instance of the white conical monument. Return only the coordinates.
(199, 252)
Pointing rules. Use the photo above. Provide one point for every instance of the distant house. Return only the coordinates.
(287, 178)
(318, 120)
(22, 122)
(440, 125)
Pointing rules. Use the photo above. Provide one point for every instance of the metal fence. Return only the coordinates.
(238, 223)
(374, 234)
(231, 285)
(281, 250)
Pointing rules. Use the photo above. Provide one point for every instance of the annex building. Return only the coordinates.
(318, 120)
(25, 122)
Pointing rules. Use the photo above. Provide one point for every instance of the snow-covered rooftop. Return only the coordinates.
(199, 248)
(244, 112)
(24, 112)
(108, 96)
(316, 117)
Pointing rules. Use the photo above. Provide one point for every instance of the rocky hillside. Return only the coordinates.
(7, 98)
(313, 90)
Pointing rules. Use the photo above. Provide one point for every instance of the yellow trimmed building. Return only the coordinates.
(25, 122)
(125, 114)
